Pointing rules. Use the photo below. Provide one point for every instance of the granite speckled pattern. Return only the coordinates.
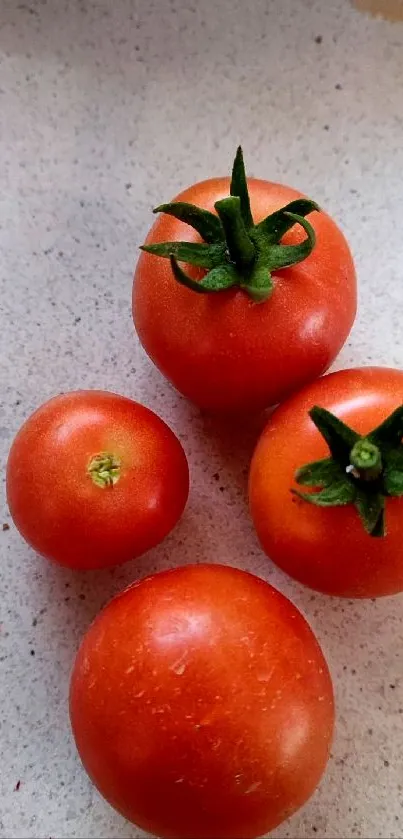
(105, 110)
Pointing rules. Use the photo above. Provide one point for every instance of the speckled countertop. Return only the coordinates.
(105, 110)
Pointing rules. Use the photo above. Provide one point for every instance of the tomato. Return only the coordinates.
(95, 479)
(353, 549)
(201, 704)
(224, 350)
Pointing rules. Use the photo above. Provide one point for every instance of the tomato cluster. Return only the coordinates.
(200, 700)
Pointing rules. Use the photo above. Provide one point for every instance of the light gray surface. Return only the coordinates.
(105, 110)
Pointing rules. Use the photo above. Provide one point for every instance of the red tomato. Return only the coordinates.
(94, 479)
(223, 350)
(202, 705)
(327, 548)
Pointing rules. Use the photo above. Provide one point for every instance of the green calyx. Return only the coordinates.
(363, 471)
(104, 470)
(235, 251)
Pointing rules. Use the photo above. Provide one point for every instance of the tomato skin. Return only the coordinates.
(225, 352)
(56, 506)
(201, 704)
(326, 548)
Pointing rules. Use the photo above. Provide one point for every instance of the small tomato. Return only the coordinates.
(326, 483)
(95, 479)
(264, 302)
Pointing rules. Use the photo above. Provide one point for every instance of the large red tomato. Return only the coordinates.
(202, 705)
(344, 536)
(221, 348)
(95, 479)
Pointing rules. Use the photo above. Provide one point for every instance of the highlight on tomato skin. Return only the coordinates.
(244, 291)
(326, 484)
(202, 705)
(95, 479)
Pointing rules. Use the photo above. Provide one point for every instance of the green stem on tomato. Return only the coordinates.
(366, 459)
(104, 469)
(361, 470)
(236, 252)
(240, 247)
